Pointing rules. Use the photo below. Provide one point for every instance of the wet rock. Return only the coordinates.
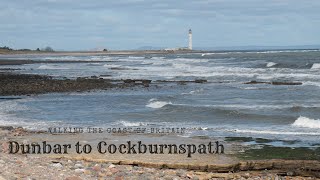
(286, 83)
(8, 128)
(274, 83)
(200, 81)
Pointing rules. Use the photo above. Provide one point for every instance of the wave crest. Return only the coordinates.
(270, 64)
(307, 123)
(157, 104)
(316, 66)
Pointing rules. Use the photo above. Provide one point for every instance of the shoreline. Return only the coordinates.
(93, 165)
(93, 53)
(15, 84)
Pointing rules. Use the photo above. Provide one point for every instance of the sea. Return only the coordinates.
(223, 107)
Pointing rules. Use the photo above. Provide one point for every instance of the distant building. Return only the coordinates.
(183, 48)
(190, 39)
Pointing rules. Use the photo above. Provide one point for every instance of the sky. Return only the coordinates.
(129, 24)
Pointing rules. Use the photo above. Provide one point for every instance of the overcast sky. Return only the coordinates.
(129, 24)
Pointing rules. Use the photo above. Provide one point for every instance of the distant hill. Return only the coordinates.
(149, 48)
(257, 47)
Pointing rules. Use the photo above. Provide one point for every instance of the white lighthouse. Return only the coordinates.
(190, 39)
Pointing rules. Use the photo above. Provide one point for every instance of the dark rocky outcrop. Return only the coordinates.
(274, 83)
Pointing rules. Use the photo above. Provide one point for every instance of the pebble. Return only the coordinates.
(77, 166)
(57, 165)
(79, 171)
(112, 166)
(69, 161)
(2, 161)
(73, 178)
(96, 167)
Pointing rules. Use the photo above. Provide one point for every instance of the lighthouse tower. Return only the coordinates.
(190, 39)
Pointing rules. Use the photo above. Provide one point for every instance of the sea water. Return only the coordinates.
(224, 106)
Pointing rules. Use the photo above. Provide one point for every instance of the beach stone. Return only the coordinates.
(79, 171)
(111, 166)
(246, 175)
(114, 170)
(119, 178)
(57, 165)
(109, 174)
(73, 178)
(8, 128)
(77, 166)
(2, 161)
(96, 167)
(87, 172)
(290, 173)
(69, 161)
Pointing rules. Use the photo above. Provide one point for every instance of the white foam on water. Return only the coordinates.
(157, 104)
(132, 124)
(111, 65)
(316, 66)
(270, 64)
(306, 122)
(274, 132)
(198, 91)
(310, 83)
(51, 67)
(252, 106)
(60, 58)
(152, 99)
(249, 88)
(8, 110)
(94, 64)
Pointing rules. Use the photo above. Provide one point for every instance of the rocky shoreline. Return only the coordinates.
(27, 84)
(26, 166)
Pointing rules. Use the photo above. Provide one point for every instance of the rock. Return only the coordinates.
(274, 83)
(8, 128)
(200, 81)
(189, 175)
(246, 175)
(77, 166)
(119, 178)
(73, 178)
(111, 166)
(57, 165)
(290, 173)
(79, 171)
(87, 172)
(96, 167)
(129, 81)
(69, 161)
(114, 170)
(286, 83)
(5, 147)
(2, 161)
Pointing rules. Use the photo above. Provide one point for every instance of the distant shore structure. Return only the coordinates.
(190, 39)
(183, 48)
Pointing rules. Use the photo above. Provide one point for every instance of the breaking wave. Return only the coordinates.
(157, 104)
(316, 66)
(307, 123)
(270, 64)
(51, 67)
